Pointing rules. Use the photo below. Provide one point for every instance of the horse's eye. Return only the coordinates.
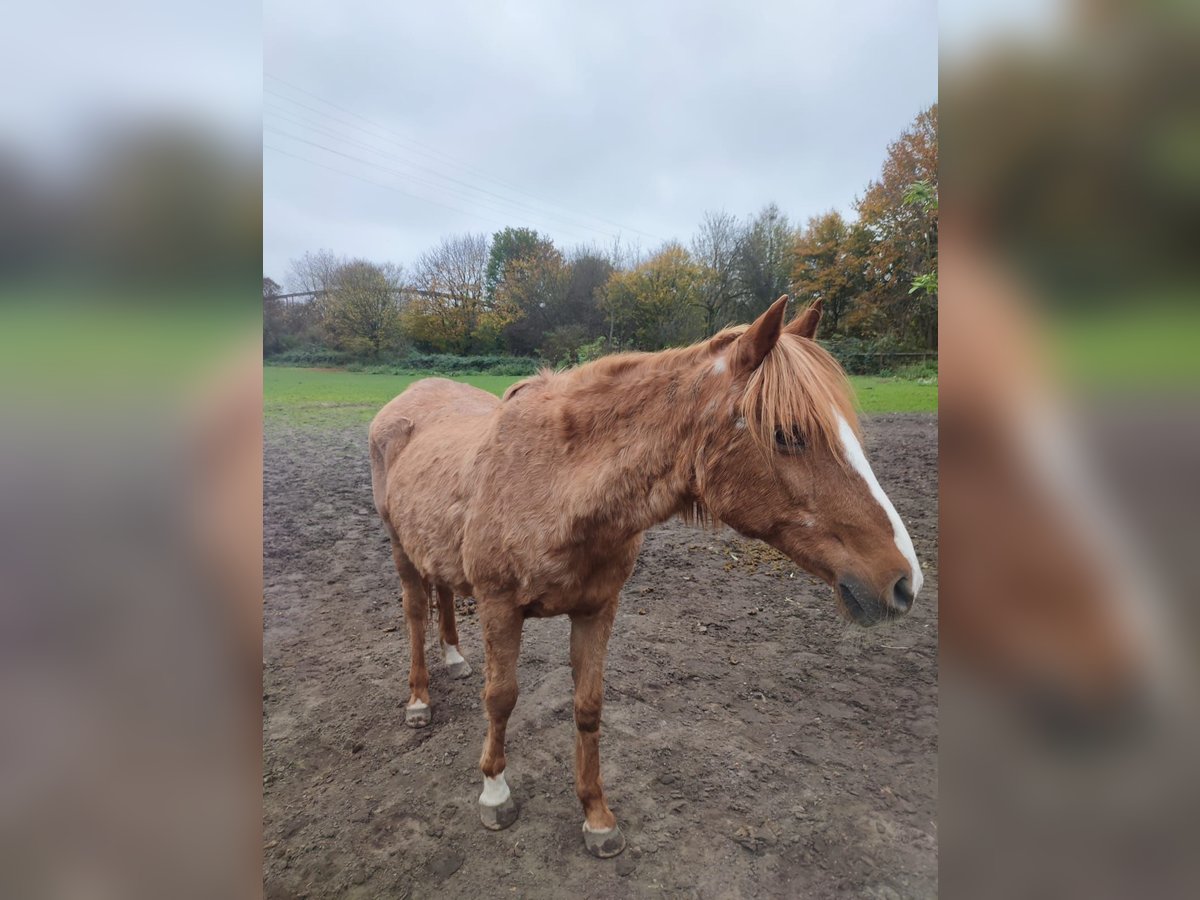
(789, 441)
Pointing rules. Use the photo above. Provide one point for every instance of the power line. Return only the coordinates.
(474, 201)
(573, 227)
(443, 155)
(540, 212)
(389, 187)
(333, 133)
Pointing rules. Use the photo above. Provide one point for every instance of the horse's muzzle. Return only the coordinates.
(866, 608)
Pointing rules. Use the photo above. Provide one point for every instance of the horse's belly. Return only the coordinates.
(544, 580)
(426, 512)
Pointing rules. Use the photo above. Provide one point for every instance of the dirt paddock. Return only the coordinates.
(753, 744)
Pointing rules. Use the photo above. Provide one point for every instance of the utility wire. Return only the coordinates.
(389, 187)
(442, 154)
(389, 169)
(572, 226)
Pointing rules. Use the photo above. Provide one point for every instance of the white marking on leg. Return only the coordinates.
(495, 790)
(418, 706)
(858, 459)
(589, 828)
(452, 654)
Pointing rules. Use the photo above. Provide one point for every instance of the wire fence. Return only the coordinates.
(878, 362)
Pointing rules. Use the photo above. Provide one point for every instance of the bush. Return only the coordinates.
(406, 364)
(468, 365)
(309, 355)
(924, 372)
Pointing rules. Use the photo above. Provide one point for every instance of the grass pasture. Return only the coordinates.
(337, 398)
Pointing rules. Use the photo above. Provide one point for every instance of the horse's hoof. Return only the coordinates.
(459, 669)
(499, 817)
(417, 715)
(603, 844)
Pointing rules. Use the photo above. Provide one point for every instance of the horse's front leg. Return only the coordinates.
(589, 644)
(501, 625)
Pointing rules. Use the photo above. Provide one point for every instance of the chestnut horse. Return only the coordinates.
(536, 505)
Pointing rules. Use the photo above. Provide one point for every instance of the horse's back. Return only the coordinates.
(434, 398)
(419, 442)
(425, 401)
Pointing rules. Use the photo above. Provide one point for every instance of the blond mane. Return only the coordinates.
(799, 384)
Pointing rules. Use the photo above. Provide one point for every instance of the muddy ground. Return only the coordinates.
(753, 744)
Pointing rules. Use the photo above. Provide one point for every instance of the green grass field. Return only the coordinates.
(336, 398)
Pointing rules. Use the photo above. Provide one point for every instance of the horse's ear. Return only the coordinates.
(805, 324)
(523, 383)
(757, 340)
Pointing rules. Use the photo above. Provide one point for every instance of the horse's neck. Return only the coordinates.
(639, 446)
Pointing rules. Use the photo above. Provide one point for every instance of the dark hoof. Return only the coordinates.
(417, 716)
(499, 817)
(604, 844)
(459, 669)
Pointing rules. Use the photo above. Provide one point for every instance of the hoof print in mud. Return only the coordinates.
(417, 716)
(498, 817)
(603, 844)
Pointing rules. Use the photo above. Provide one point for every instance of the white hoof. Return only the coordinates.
(417, 715)
(456, 666)
(603, 844)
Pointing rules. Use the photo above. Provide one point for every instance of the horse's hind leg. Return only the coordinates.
(501, 625)
(416, 613)
(456, 666)
(589, 644)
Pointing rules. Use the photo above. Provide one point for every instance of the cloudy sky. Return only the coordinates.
(390, 124)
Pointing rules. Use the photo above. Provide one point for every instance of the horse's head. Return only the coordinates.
(780, 460)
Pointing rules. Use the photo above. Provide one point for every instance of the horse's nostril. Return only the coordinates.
(902, 595)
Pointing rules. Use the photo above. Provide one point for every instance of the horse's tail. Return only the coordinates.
(387, 438)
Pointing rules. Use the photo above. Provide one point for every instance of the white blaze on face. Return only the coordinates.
(495, 790)
(452, 654)
(858, 459)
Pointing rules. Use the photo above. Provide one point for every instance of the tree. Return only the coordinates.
(657, 304)
(448, 311)
(904, 234)
(573, 316)
(590, 271)
(828, 266)
(274, 321)
(314, 272)
(533, 291)
(924, 195)
(509, 246)
(715, 249)
(764, 261)
(363, 308)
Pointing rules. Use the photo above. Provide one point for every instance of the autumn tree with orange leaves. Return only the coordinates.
(903, 240)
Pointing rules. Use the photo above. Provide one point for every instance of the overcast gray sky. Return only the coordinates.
(388, 125)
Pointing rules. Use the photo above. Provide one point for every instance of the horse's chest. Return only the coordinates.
(550, 579)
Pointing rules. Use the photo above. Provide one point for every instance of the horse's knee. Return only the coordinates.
(587, 715)
(500, 699)
(416, 607)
